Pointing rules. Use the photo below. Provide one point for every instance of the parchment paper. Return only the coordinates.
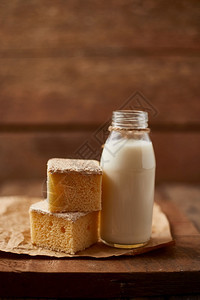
(15, 232)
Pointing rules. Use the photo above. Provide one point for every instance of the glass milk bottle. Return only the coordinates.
(128, 164)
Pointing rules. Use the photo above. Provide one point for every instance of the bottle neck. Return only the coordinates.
(130, 120)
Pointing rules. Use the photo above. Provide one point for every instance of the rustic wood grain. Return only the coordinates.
(177, 156)
(26, 187)
(173, 270)
(87, 90)
(122, 23)
(65, 66)
(186, 197)
(24, 155)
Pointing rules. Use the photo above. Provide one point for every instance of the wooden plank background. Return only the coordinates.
(66, 65)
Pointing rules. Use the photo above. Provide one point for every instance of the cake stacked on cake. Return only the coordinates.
(68, 220)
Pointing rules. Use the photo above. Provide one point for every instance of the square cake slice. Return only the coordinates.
(73, 185)
(67, 232)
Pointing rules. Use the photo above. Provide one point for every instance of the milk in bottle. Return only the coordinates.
(128, 164)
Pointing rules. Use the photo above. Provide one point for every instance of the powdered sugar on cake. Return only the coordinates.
(42, 207)
(63, 165)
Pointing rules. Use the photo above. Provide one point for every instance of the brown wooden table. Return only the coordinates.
(169, 271)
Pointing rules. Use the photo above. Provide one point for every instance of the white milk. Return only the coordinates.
(128, 191)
